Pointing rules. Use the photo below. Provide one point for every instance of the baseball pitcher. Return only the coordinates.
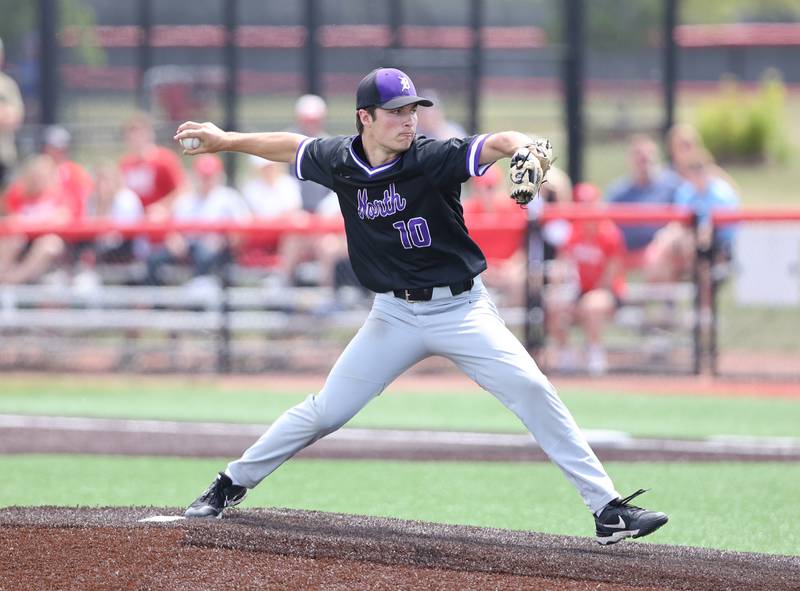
(400, 198)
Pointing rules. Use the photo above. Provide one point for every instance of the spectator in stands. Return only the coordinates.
(35, 197)
(12, 113)
(670, 255)
(587, 283)
(648, 183)
(209, 201)
(272, 191)
(489, 202)
(111, 200)
(685, 145)
(153, 172)
(73, 177)
(312, 259)
(489, 195)
(557, 189)
(317, 259)
(433, 122)
(311, 113)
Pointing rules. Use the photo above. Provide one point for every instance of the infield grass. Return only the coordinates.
(746, 507)
(209, 400)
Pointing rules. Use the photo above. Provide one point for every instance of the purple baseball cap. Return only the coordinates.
(388, 88)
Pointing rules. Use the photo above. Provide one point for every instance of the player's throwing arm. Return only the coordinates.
(203, 138)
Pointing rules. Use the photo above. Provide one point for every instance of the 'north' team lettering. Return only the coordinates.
(391, 203)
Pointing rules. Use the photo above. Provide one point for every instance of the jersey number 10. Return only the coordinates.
(413, 234)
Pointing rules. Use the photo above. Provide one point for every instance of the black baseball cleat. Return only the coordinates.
(220, 494)
(619, 520)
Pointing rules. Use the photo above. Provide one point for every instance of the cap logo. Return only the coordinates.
(405, 84)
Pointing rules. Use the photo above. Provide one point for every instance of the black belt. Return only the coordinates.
(425, 294)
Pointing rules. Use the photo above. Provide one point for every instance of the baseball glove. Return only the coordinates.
(529, 166)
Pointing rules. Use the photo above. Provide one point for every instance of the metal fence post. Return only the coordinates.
(573, 43)
(48, 61)
(698, 299)
(476, 65)
(535, 277)
(713, 325)
(231, 60)
(224, 333)
(145, 54)
(670, 65)
(312, 53)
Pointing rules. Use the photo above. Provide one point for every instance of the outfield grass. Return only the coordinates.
(712, 505)
(198, 400)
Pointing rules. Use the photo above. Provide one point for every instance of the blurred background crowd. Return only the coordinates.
(50, 180)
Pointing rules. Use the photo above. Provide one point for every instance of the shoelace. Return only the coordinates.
(214, 491)
(626, 501)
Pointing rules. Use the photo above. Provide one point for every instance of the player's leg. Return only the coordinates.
(383, 349)
(489, 353)
(494, 358)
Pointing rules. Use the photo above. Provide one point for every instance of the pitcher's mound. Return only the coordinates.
(78, 548)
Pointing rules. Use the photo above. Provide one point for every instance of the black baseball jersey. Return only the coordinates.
(404, 221)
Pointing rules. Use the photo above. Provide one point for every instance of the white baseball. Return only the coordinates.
(190, 143)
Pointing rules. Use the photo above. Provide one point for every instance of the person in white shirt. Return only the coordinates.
(210, 201)
(111, 200)
(272, 191)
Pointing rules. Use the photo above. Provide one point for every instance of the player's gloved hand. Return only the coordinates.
(529, 166)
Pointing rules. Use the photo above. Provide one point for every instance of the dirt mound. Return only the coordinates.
(78, 548)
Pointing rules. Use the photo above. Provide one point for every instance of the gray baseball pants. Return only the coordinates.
(465, 328)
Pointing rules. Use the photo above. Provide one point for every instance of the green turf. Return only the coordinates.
(207, 400)
(709, 504)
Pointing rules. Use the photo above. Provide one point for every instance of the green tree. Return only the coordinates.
(733, 11)
(20, 18)
(621, 24)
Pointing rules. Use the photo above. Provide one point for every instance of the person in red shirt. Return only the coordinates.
(74, 178)
(489, 203)
(488, 195)
(587, 284)
(37, 196)
(153, 172)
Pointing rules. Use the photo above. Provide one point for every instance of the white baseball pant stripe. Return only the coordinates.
(397, 334)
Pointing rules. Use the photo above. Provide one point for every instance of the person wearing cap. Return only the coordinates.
(310, 117)
(587, 285)
(12, 112)
(400, 198)
(74, 178)
(209, 201)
